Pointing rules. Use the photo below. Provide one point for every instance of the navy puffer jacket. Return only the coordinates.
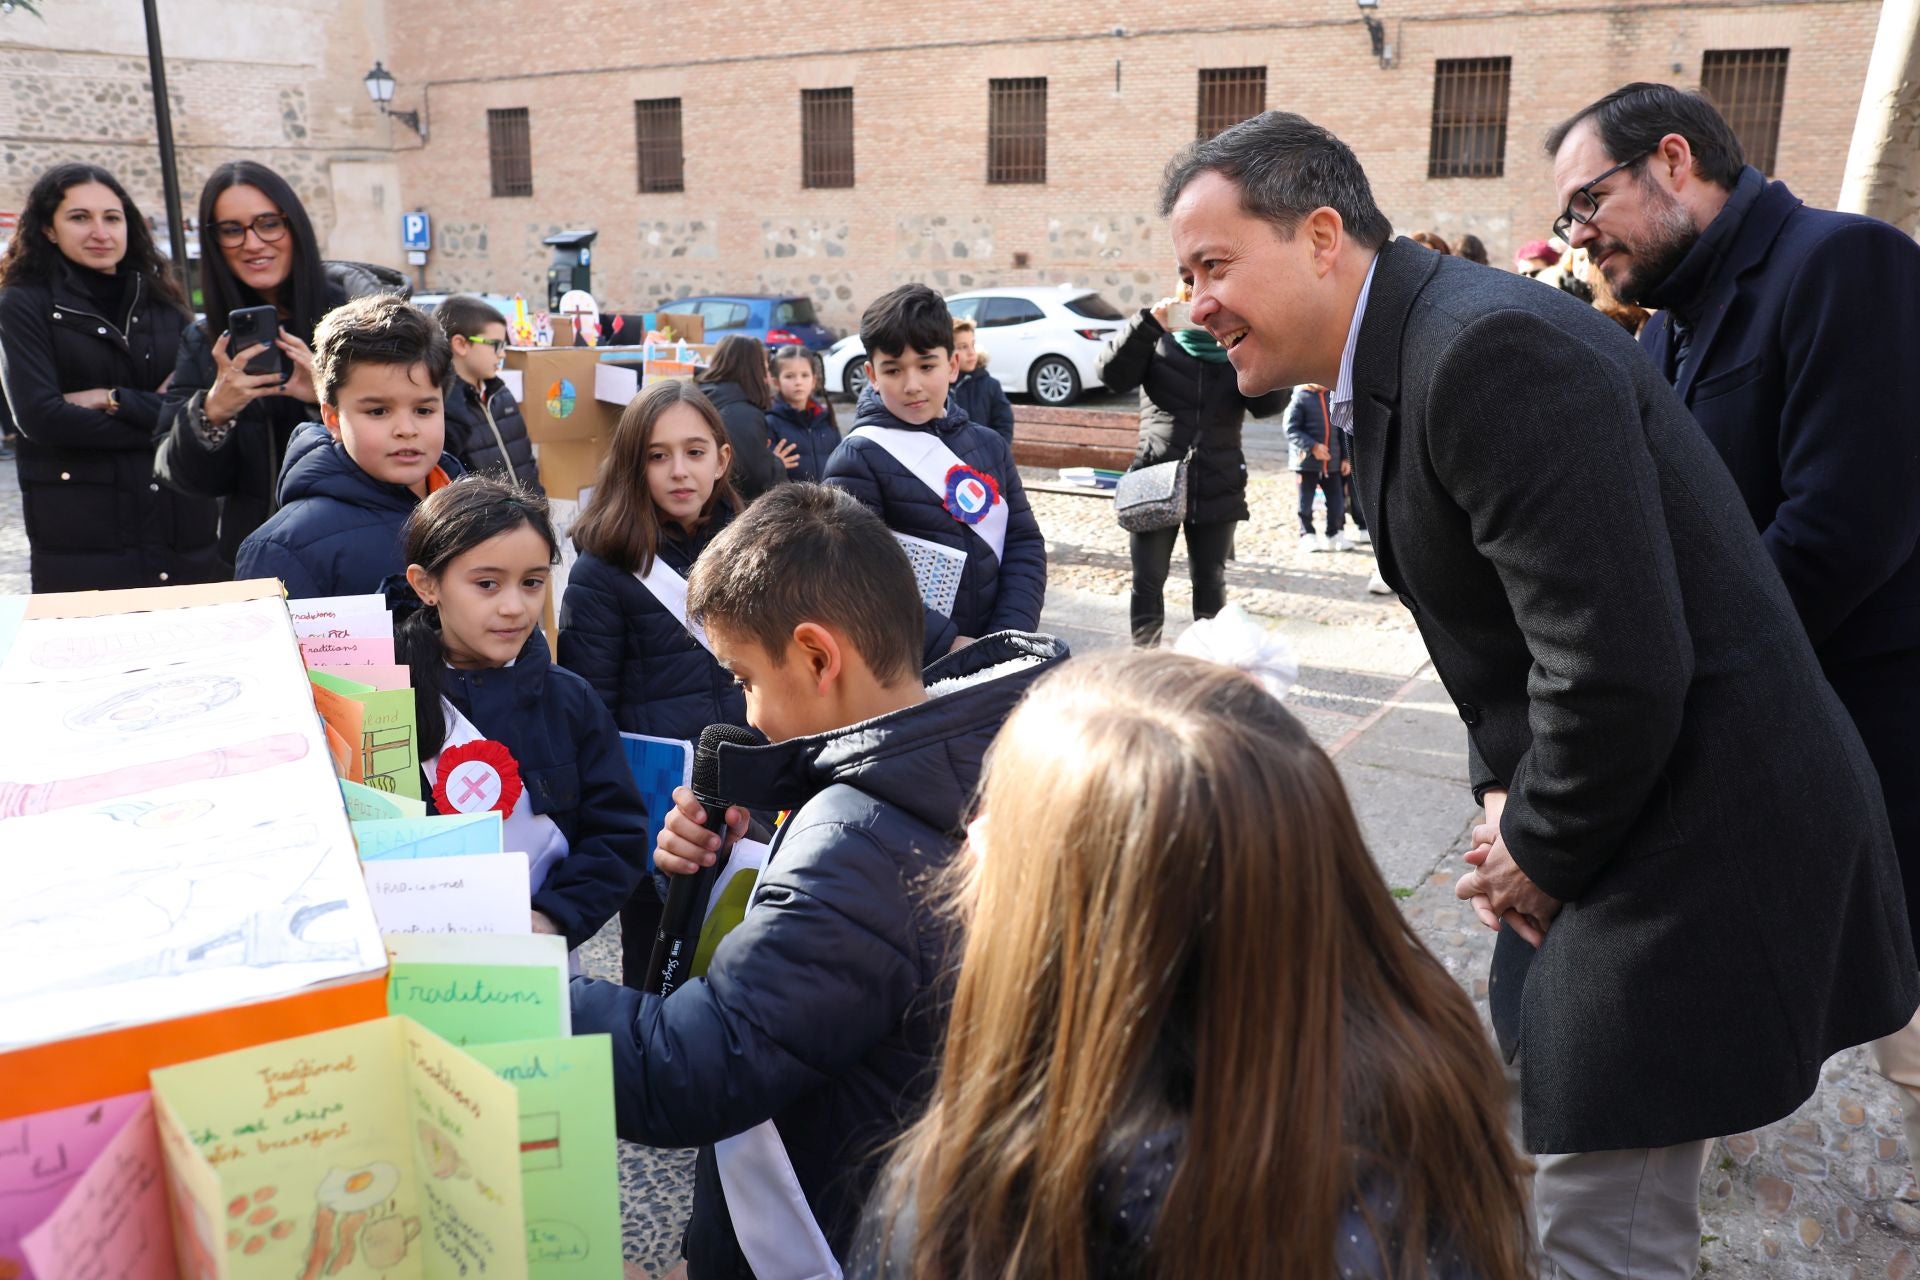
(823, 1010)
(980, 394)
(811, 432)
(472, 440)
(575, 773)
(755, 468)
(995, 595)
(337, 532)
(654, 677)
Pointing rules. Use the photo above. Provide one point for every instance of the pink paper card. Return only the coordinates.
(42, 1159)
(385, 677)
(349, 651)
(113, 1224)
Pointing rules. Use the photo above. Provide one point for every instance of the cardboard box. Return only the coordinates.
(559, 403)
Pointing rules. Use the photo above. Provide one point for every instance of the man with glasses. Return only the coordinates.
(485, 428)
(1790, 333)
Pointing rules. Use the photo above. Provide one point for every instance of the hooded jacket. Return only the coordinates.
(823, 1010)
(980, 394)
(755, 468)
(649, 673)
(337, 532)
(245, 469)
(1307, 426)
(1189, 408)
(575, 773)
(474, 442)
(812, 432)
(95, 518)
(995, 594)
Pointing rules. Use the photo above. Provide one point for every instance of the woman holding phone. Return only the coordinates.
(231, 408)
(90, 324)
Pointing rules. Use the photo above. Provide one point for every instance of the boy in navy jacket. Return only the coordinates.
(350, 481)
(930, 473)
(976, 390)
(813, 1036)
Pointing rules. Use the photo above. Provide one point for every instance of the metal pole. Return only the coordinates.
(163, 121)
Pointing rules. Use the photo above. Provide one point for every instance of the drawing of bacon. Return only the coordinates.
(18, 799)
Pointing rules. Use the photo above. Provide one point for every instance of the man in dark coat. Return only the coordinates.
(1774, 326)
(1653, 737)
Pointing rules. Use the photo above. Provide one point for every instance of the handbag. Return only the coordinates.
(1152, 498)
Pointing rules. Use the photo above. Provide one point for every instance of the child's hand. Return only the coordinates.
(788, 452)
(959, 643)
(685, 845)
(542, 923)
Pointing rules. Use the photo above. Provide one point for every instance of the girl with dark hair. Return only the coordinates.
(501, 727)
(736, 381)
(90, 324)
(661, 498)
(226, 429)
(1192, 1035)
(800, 415)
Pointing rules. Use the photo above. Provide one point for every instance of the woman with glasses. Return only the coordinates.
(90, 323)
(225, 430)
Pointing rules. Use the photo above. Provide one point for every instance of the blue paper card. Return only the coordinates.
(659, 765)
(435, 836)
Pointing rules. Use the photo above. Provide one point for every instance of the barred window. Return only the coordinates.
(1469, 135)
(1017, 130)
(1749, 86)
(656, 136)
(1229, 95)
(509, 152)
(826, 137)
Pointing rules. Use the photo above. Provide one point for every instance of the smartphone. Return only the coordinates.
(251, 326)
(1179, 316)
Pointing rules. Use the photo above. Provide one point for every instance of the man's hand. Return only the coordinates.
(98, 399)
(685, 845)
(1497, 887)
(1346, 466)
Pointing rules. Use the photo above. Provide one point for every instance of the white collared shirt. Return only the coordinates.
(1340, 401)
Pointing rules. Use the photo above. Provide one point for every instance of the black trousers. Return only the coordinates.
(1883, 695)
(1331, 484)
(1208, 546)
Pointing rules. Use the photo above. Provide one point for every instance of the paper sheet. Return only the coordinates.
(365, 804)
(470, 893)
(355, 651)
(478, 1002)
(658, 766)
(114, 1224)
(338, 617)
(370, 676)
(515, 383)
(615, 384)
(42, 1160)
(437, 836)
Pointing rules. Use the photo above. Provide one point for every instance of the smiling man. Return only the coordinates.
(1647, 724)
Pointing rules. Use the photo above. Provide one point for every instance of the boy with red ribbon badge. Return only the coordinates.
(945, 485)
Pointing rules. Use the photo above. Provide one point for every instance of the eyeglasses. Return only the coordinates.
(1584, 207)
(270, 227)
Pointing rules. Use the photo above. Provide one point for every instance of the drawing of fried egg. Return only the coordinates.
(357, 1190)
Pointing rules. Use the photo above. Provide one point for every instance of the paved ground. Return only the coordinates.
(1823, 1193)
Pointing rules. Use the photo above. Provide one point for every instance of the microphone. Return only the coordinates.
(680, 919)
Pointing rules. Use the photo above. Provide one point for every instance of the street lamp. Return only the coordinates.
(1376, 31)
(379, 82)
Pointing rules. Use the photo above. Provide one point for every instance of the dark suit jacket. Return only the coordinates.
(1800, 371)
(1630, 667)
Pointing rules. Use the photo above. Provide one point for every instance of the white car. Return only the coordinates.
(1042, 341)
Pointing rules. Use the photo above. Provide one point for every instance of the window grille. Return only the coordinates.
(1017, 130)
(509, 152)
(826, 137)
(657, 144)
(1749, 86)
(1229, 95)
(1469, 134)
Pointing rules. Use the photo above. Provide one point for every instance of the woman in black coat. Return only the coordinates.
(90, 323)
(1190, 407)
(737, 384)
(225, 430)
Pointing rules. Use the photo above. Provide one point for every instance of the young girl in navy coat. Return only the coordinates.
(801, 415)
(500, 726)
(661, 496)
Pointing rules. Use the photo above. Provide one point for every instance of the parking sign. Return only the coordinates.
(416, 233)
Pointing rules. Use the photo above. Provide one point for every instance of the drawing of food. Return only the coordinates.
(192, 1233)
(157, 704)
(443, 1158)
(18, 799)
(147, 644)
(253, 1221)
(384, 1243)
(347, 1198)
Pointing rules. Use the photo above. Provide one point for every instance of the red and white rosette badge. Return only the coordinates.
(477, 776)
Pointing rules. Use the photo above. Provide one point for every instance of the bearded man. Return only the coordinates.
(1790, 333)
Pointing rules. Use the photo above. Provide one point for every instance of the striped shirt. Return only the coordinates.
(1342, 398)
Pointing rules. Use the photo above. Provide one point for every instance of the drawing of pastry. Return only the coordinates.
(157, 704)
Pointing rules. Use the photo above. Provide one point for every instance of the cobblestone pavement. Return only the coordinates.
(1825, 1192)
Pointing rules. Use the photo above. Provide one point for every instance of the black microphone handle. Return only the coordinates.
(680, 918)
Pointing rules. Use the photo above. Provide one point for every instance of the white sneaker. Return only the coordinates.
(1341, 542)
(1309, 544)
(1378, 585)
(1363, 537)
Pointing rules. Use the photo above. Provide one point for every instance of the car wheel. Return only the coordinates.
(1053, 381)
(855, 378)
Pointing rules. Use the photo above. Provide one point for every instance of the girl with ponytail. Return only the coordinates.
(500, 726)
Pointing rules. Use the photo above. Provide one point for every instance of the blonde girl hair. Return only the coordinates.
(1173, 923)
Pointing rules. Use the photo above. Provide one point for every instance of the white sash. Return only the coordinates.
(536, 833)
(927, 457)
(670, 589)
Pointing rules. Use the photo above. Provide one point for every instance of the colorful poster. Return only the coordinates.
(569, 1157)
(374, 1150)
(114, 1224)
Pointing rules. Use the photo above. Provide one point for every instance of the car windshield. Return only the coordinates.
(794, 311)
(1094, 307)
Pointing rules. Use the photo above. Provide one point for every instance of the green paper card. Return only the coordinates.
(481, 988)
(364, 803)
(569, 1158)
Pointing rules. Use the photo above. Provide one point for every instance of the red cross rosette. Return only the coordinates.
(476, 777)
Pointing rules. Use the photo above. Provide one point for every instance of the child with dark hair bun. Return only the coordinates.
(501, 727)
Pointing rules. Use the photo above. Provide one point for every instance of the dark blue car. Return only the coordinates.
(778, 321)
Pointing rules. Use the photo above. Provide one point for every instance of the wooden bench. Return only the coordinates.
(1044, 437)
